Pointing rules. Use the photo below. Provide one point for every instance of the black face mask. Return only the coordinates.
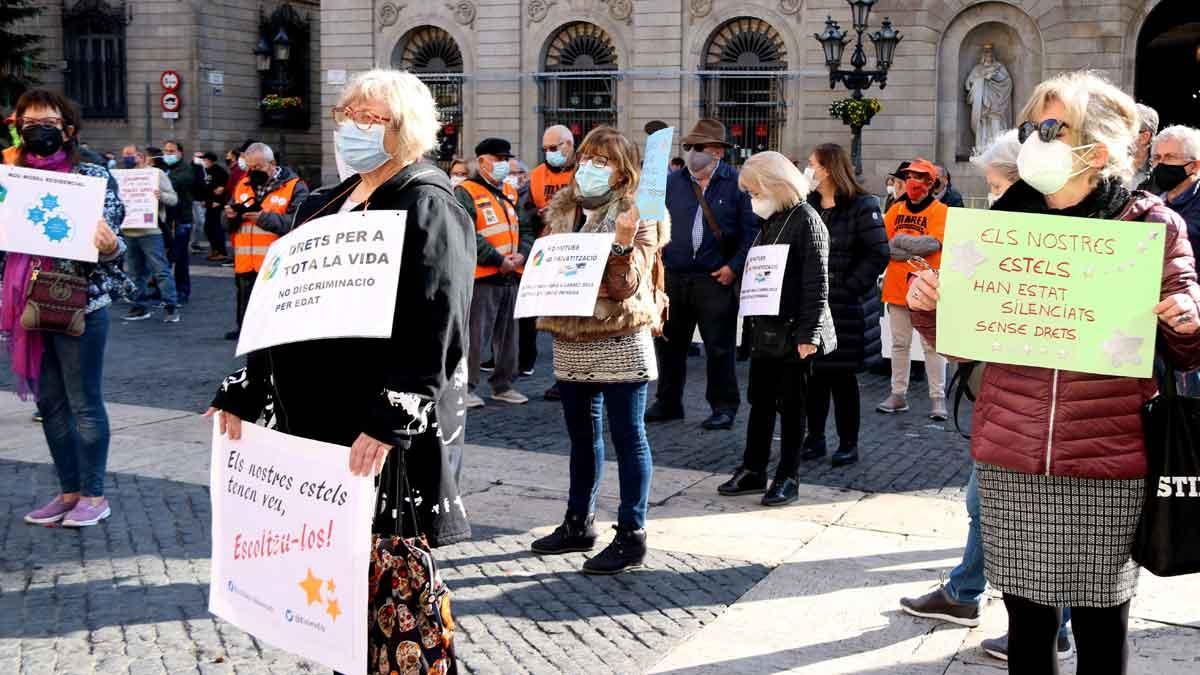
(41, 140)
(258, 178)
(129, 162)
(1168, 176)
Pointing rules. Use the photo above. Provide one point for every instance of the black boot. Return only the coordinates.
(577, 533)
(782, 492)
(845, 456)
(814, 448)
(626, 552)
(743, 482)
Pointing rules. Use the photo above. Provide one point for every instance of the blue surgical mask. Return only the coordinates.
(241, 164)
(500, 171)
(171, 160)
(592, 180)
(362, 151)
(112, 164)
(556, 159)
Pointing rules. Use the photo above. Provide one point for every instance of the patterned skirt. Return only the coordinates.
(1059, 541)
(626, 358)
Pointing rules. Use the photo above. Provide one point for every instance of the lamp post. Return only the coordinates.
(282, 52)
(833, 42)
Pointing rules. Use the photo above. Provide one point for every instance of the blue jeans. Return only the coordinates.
(181, 252)
(967, 581)
(70, 400)
(583, 408)
(145, 258)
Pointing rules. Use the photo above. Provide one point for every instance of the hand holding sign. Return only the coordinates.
(1178, 312)
(923, 291)
(627, 227)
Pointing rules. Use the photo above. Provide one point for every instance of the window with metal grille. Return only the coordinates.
(94, 47)
(578, 85)
(740, 85)
(431, 54)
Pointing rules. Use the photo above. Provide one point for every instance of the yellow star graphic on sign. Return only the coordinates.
(333, 610)
(329, 586)
(312, 587)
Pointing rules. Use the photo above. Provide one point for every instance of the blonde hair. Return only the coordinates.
(409, 103)
(1001, 155)
(1096, 112)
(774, 174)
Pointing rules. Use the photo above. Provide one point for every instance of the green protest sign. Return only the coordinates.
(1052, 292)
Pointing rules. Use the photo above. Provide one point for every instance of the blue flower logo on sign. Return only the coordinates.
(47, 215)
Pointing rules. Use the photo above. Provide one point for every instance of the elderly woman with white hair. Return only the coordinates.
(781, 345)
(998, 163)
(375, 394)
(1060, 455)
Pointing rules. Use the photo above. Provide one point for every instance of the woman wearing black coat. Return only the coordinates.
(858, 254)
(377, 395)
(782, 346)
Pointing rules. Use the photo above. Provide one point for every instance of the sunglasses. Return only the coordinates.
(1048, 130)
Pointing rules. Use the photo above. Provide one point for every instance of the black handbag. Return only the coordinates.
(771, 337)
(1168, 535)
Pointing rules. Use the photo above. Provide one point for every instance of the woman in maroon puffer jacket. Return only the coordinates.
(1060, 454)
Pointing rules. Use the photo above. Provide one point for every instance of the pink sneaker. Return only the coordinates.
(50, 513)
(86, 513)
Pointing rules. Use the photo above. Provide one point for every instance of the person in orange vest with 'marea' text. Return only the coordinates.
(261, 210)
(501, 248)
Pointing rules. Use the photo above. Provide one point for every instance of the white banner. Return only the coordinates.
(762, 280)
(50, 213)
(291, 543)
(563, 275)
(332, 277)
(137, 192)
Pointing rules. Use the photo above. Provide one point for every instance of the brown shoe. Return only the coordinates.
(937, 605)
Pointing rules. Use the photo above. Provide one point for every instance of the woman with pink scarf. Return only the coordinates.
(64, 372)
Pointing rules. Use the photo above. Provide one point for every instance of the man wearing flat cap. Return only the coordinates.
(501, 248)
(712, 229)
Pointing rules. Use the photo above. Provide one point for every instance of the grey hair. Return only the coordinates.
(260, 149)
(1187, 137)
(521, 165)
(1001, 155)
(563, 133)
(1147, 118)
(410, 105)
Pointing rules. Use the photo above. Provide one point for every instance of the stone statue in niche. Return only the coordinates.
(989, 93)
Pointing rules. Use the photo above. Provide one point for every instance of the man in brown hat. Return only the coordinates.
(712, 227)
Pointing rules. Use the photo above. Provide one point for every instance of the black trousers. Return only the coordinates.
(214, 231)
(245, 285)
(842, 388)
(1100, 637)
(527, 351)
(698, 300)
(776, 386)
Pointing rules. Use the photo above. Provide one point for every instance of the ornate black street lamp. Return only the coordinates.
(857, 111)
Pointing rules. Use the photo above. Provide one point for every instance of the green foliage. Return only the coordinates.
(19, 51)
(855, 112)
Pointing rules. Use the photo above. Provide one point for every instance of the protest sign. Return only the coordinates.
(651, 198)
(50, 213)
(333, 277)
(1052, 292)
(762, 280)
(137, 192)
(291, 543)
(563, 275)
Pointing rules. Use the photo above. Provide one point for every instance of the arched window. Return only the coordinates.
(739, 88)
(578, 87)
(94, 47)
(284, 84)
(431, 54)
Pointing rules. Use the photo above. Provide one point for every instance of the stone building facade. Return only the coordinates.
(510, 67)
(110, 57)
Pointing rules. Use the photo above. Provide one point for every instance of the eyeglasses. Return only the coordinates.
(597, 161)
(29, 122)
(1048, 130)
(363, 119)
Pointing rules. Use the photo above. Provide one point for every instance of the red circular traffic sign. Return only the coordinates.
(170, 102)
(169, 80)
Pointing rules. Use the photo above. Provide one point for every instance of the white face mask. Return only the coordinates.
(513, 182)
(810, 175)
(992, 198)
(455, 181)
(891, 190)
(763, 207)
(1048, 167)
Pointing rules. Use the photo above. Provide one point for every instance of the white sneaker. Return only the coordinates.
(511, 396)
(474, 401)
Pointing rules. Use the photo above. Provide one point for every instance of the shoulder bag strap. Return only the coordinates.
(708, 214)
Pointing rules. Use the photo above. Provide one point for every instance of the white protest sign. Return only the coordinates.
(563, 275)
(762, 280)
(332, 277)
(291, 545)
(137, 192)
(652, 186)
(50, 213)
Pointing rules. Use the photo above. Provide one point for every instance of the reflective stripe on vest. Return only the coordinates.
(501, 231)
(250, 242)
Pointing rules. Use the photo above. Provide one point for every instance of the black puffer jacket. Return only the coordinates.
(804, 304)
(333, 390)
(858, 254)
